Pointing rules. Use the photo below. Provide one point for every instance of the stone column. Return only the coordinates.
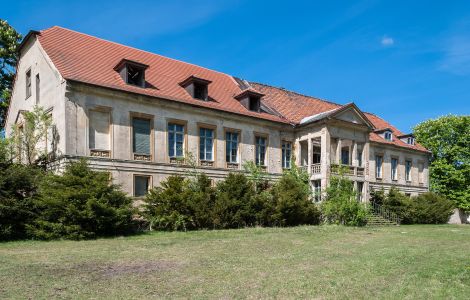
(325, 157)
(354, 161)
(310, 156)
(338, 151)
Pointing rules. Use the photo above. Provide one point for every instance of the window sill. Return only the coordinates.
(378, 178)
(144, 157)
(100, 153)
(233, 166)
(206, 163)
(177, 160)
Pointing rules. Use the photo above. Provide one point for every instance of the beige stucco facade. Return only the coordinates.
(317, 146)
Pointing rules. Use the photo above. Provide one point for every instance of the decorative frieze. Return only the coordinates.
(232, 166)
(206, 163)
(144, 157)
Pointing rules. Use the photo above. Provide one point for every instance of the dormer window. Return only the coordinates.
(254, 104)
(197, 87)
(410, 140)
(132, 72)
(250, 99)
(388, 135)
(200, 91)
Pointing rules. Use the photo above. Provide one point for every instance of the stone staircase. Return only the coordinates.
(377, 220)
(379, 216)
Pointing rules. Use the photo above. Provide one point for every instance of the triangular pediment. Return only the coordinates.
(350, 113)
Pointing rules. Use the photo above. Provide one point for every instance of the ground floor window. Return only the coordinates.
(317, 190)
(141, 185)
(360, 191)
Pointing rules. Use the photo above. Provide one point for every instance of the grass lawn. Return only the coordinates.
(307, 262)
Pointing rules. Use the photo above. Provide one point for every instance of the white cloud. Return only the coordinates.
(387, 41)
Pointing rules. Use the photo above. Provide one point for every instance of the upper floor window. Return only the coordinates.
(388, 135)
(132, 72)
(345, 156)
(359, 157)
(260, 153)
(38, 88)
(99, 133)
(250, 99)
(231, 147)
(28, 83)
(410, 140)
(286, 154)
(175, 140)
(141, 138)
(408, 170)
(378, 166)
(206, 142)
(197, 87)
(394, 163)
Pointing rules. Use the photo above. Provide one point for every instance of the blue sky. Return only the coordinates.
(406, 61)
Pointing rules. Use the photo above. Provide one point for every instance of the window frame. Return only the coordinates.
(394, 178)
(408, 177)
(185, 139)
(205, 126)
(283, 161)
(149, 185)
(28, 83)
(317, 190)
(388, 132)
(232, 164)
(142, 156)
(38, 88)
(377, 175)
(266, 146)
(205, 90)
(95, 152)
(258, 103)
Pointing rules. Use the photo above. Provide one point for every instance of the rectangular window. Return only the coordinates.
(394, 164)
(317, 190)
(286, 154)
(141, 185)
(378, 166)
(408, 170)
(175, 140)
(260, 155)
(141, 131)
(359, 157)
(345, 156)
(38, 88)
(360, 192)
(28, 83)
(231, 147)
(99, 123)
(206, 142)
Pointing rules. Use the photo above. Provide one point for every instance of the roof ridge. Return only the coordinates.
(298, 93)
(130, 47)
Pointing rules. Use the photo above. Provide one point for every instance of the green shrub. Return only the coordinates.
(428, 208)
(293, 205)
(233, 207)
(341, 206)
(18, 184)
(80, 203)
(167, 207)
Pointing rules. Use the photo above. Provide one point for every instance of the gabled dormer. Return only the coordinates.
(132, 72)
(386, 134)
(197, 87)
(408, 139)
(250, 99)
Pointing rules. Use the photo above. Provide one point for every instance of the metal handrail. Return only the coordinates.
(385, 213)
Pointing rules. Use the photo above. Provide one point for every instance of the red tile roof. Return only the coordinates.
(87, 59)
